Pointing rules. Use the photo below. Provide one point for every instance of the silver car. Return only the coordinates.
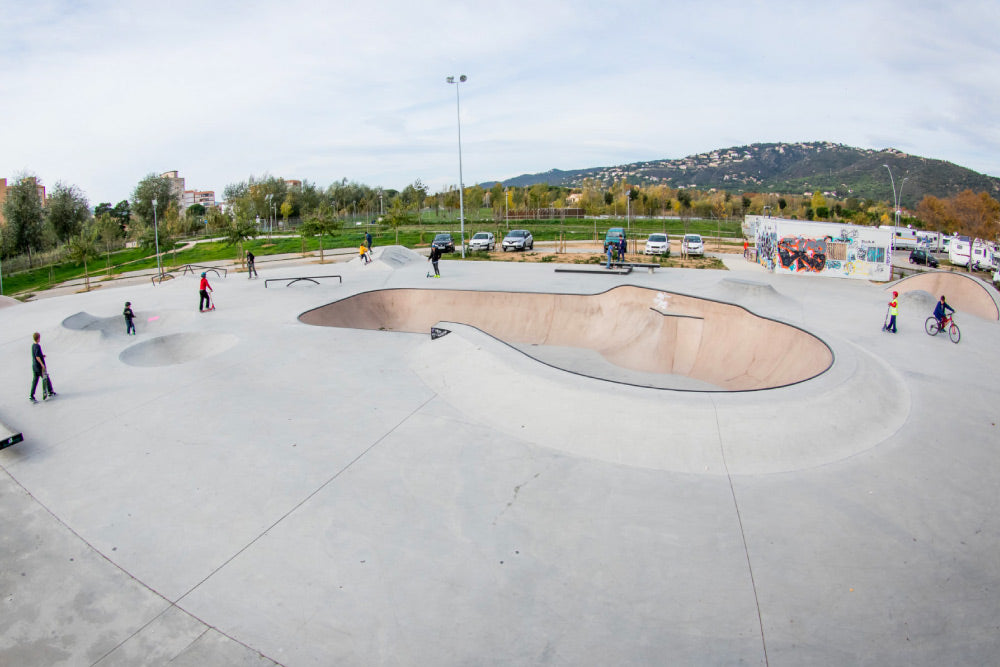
(518, 239)
(482, 241)
(693, 245)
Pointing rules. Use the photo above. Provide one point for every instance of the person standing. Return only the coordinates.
(433, 259)
(610, 249)
(893, 311)
(39, 370)
(204, 288)
(622, 247)
(368, 240)
(251, 269)
(746, 249)
(129, 316)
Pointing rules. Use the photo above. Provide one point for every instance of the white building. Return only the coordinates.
(824, 249)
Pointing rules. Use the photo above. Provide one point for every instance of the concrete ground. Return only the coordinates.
(240, 488)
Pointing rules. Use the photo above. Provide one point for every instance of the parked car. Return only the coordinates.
(921, 256)
(445, 242)
(614, 235)
(693, 244)
(482, 241)
(658, 244)
(518, 239)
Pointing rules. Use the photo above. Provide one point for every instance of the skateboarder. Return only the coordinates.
(251, 271)
(204, 288)
(39, 370)
(893, 311)
(433, 259)
(129, 316)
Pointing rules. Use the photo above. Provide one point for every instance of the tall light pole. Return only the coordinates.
(896, 197)
(461, 186)
(156, 238)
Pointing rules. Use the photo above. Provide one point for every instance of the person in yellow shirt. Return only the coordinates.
(363, 253)
(893, 311)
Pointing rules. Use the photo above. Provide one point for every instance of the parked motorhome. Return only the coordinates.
(932, 241)
(904, 238)
(983, 255)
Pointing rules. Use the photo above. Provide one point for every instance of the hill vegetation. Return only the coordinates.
(795, 168)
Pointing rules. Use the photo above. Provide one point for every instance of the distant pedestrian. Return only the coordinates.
(204, 288)
(746, 249)
(610, 249)
(433, 259)
(251, 269)
(893, 311)
(622, 249)
(368, 240)
(39, 370)
(129, 316)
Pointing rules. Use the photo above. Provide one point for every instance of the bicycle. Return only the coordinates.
(933, 327)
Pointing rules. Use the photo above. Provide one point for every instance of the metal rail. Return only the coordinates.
(313, 279)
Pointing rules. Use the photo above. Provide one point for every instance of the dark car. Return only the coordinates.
(444, 242)
(921, 256)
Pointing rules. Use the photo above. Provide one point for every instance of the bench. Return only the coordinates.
(638, 265)
(8, 436)
(594, 269)
(313, 279)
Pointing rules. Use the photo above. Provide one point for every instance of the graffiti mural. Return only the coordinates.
(835, 250)
(802, 254)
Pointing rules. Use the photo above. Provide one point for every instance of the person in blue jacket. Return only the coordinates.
(941, 310)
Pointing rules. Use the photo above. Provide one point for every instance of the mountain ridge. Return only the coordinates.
(788, 168)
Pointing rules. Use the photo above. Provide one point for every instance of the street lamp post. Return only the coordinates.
(461, 186)
(896, 197)
(156, 239)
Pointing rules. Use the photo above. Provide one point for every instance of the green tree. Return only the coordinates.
(238, 232)
(320, 222)
(67, 210)
(150, 188)
(23, 212)
(83, 248)
(123, 214)
(108, 233)
(399, 215)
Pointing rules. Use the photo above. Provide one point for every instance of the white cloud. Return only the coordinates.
(100, 94)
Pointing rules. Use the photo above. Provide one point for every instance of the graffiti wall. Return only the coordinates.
(824, 249)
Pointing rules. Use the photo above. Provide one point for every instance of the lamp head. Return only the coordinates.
(450, 79)
(154, 203)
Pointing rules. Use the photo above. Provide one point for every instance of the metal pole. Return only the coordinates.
(156, 237)
(461, 185)
(895, 200)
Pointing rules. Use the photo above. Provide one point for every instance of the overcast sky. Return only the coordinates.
(99, 94)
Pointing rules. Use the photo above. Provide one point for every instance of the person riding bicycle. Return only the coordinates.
(941, 311)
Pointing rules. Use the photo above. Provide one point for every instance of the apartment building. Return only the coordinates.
(204, 197)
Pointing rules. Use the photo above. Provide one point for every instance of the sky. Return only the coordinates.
(99, 94)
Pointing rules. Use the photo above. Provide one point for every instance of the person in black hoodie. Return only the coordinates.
(433, 259)
(129, 316)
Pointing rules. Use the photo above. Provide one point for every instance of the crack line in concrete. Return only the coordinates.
(739, 519)
(307, 498)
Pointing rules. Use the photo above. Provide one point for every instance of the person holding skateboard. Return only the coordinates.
(39, 370)
(129, 316)
(204, 288)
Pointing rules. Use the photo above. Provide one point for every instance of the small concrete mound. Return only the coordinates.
(741, 286)
(918, 300)
(396, 256)
(83, 321)
(6, 301)
(178, 348)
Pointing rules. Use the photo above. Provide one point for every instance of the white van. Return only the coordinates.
(903, 238)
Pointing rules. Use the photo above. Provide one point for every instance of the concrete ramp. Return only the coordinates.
(964, 293)
(632, 327)
(178, 348)
(396, 256)
(6, 301)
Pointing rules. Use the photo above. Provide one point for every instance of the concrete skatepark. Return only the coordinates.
(258, 485)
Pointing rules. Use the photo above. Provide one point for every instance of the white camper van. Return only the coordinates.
(982, 255)
(903, 238)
